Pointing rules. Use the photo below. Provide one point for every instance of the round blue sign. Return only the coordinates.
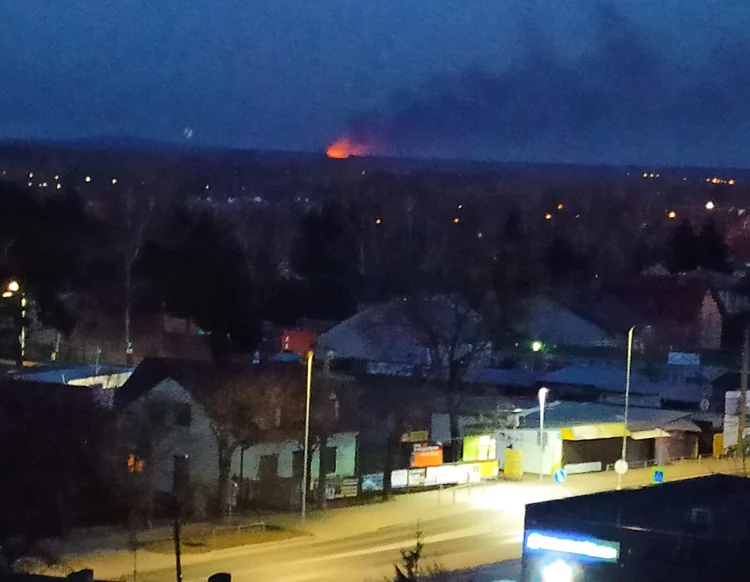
(559, 475)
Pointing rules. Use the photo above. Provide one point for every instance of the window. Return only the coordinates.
(182, 415)
(329, 460)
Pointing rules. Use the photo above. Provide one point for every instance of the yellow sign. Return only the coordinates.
(513, 463)
(415, 436)
(718, 445)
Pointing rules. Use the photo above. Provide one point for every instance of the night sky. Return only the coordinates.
(634, 81)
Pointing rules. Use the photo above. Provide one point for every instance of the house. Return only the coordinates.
(403, 332)
(587, 320)
(678, 313)
(685, 387)
(170, 407)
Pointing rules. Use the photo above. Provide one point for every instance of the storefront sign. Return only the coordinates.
(426, 456)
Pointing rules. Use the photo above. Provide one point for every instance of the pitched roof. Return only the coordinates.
(563, 414)
(199, 378)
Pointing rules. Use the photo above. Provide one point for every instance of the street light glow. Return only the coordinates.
(14, 287)
(710, 205)
(536, 346)
(88, 178)
(671, 215)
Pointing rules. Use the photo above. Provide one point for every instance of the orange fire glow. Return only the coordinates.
(344, 147)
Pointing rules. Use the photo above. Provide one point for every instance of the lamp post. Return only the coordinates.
(628, 370)
(307, 435)
(14, 288)
(542, 399)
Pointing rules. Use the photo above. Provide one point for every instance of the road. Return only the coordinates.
(461, 529)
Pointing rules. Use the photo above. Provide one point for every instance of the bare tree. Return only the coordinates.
(245, 407)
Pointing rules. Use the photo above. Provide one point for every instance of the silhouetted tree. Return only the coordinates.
(563, 261)
(711, 248)
(42, 244)
(198, 272)
(683, 249)
(326, 254)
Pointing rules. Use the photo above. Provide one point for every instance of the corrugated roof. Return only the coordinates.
(562, 414)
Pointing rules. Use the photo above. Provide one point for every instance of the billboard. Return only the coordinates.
(424, 456)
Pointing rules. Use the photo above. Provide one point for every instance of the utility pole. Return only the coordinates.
(178, 487)
(743, 395)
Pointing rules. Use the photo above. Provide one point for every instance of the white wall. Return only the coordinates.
(197, 440)
(527, 440)
(346, 457)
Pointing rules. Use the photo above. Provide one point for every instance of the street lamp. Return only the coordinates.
(628, 369)
(542, 398)
(307, 435)
(11, 289)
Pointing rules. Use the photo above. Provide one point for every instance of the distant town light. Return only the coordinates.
(731, 182)
(57, 177)
(645, 175)
(548, 216)
(59, 186)
(479, 235)
(536, 346)
(710, 205)
(378, 221)
(31, 175)
(560, 206)
(460, 206)
(14, 287)
(114, 181)
(456, 220)
(88, 178)
(671, 215)
(44, 184)
(30, 184)
(208, 187)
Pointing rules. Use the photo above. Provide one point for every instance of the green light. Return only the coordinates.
(536, 346)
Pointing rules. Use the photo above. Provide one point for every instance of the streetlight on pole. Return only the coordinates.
(307, 435)
(11, 289)
(623, 462)
(542, 399)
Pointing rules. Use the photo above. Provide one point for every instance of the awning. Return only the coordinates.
(642, 435)
(592, 432)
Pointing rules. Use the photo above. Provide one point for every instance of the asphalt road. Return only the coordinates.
(483, 525)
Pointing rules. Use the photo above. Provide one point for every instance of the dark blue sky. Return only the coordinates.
(661, 82)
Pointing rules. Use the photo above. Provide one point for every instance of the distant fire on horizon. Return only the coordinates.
(345, 147)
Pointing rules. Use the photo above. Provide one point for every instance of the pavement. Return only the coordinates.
(463, 529)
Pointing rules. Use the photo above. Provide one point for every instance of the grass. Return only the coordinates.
(202, 539)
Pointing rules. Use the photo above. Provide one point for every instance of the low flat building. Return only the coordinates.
(682, 531)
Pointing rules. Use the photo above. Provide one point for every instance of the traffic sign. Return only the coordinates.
(658, 475)
(621, 467)
(559, 476)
